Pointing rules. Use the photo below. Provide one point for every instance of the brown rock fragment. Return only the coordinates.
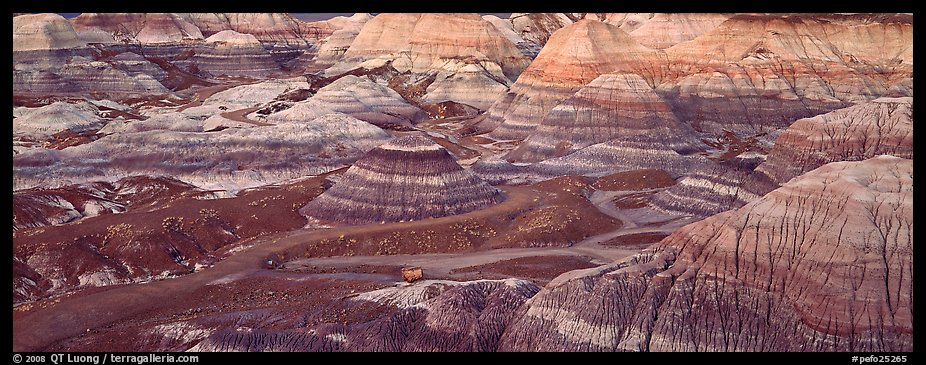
(411, 274)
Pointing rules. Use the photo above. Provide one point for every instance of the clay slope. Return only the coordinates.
(42, 207)
(573, 57)
(231, 53)
(161, 28)
(49, 59)
(751, 74)
(229, 159)
(423, 42)
(654, 30)
(823, 263)
(666, 30)
(356, 96)
(709, 188)
(340, 40)
(277, 28)
(143, 28)
(883, 126)
(57, 117)
(43, 32)
(757, 73)
(166, 228)
(433, 315)
(409, 178)
(619, 107)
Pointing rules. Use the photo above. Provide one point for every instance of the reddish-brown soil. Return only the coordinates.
(449, 110)
(240, 115)
(733, 146)
(172, 234)
(204, 93)
(636, 239)
(113, 313)
(299, 299)
(113, 113)
(540, 269)
(459, 233)
(566, 217)
(552, 213)
(634, 180)
(178, 79)
(635, 200)
(461, 153)
(68, 138)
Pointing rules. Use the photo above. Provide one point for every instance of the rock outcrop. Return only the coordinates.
(230, 159)
(42, 122)
(50, 59)
(471, 84)
(409, 178)
(654, 30)
(141, 28)
(573, 57)
(666, 30)
(169, 121)
(368, 101)
(430, 315)
(234, 54)
(356, 96)
(751, 74)
(709, 188)
(245, 96)
(75, 71)
(423, 42)
(340, 40)
(757, 73)
(275, 28)
(43, 207)
(43, 32)
(883, 126)
(823, 263)
(612, 107)
(595, 160)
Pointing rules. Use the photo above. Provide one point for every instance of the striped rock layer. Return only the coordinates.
(78, 74)
(142, 28)
(429, 315)
(368, 101)
(883, 126)
(277, 28)
(157, 28)
(654, 30)
(43, 32)
(409, 178)
(595, 160)
(823, 263)
(711, 188)
(753, 74)
(340, 40)
(749, 74)
(612, 107)
(422, 42)
(229, 159)
(573, 57)
(57, 117)
(234, 54)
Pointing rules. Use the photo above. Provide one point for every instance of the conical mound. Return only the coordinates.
(409, 178)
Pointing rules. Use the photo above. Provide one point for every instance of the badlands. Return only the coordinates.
(564, 182)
